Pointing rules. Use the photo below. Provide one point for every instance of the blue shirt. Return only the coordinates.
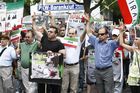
(103, 51)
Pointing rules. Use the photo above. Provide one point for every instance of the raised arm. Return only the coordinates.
(35, 29)
(87, 28)
(52, 20)
(128, 47)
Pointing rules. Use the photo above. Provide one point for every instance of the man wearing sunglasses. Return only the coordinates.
(104, 50)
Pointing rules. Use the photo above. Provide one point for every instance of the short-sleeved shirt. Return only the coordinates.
(73, 54)
(26, 50)
(53, 46)
(103, 51)
(7, 56)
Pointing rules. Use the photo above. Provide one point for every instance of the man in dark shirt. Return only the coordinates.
(49, 42)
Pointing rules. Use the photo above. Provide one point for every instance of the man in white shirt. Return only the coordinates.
(7, 55)
(71, 63)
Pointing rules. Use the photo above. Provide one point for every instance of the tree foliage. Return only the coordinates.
(112, 7)
(27, 4)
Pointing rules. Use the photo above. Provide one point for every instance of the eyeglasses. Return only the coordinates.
(101, 34)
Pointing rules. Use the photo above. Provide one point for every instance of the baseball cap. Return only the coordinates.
(115, 32)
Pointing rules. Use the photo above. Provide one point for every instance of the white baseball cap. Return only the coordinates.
(115, 32)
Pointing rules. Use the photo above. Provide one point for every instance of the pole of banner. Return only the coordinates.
(5, 15)
(67, 26)
(87, 5)
(45, 87)
(42, 7)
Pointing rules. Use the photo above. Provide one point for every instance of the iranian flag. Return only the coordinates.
(130, 10)
(69, 42)
(15, 35)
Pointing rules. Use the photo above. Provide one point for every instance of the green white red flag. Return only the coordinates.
(130, 10)
(15, 35)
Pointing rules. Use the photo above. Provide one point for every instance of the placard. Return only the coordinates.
(46, 67)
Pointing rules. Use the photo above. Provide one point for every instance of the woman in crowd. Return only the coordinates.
(133, 79)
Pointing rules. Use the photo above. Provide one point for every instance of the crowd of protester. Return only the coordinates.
(103, 66)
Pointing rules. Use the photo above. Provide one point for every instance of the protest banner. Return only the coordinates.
(2, 15)
(15, 35)
(46, 67)
(60, 11)
(75, 21)
(11, 15)
(14, 14)
(130, 10)
(59, 7)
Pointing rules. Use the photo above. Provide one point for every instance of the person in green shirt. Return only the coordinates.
(26, 48)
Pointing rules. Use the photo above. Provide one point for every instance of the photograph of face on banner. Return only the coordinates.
(75, 21)
(40, 21)
(80, 27)
(46, 66)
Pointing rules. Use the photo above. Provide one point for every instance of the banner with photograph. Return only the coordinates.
(75, 21)
(46, 67)
(11, 15)
(14, 14)
(2, 16)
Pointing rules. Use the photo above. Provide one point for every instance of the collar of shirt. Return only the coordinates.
(30, 43)
(103, 41)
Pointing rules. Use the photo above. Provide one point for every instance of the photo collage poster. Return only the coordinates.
(11, 15)
(46, 66)
(2, 16)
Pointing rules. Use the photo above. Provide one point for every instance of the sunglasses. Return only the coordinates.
(72, 33)
(101, 34)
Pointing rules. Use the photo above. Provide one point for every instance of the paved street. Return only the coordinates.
(125, 90)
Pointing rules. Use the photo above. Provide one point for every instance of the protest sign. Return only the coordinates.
(75, 21)
(15, 35)
(14, 14)
(2, 15)
(11, 15)
(46, 67)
